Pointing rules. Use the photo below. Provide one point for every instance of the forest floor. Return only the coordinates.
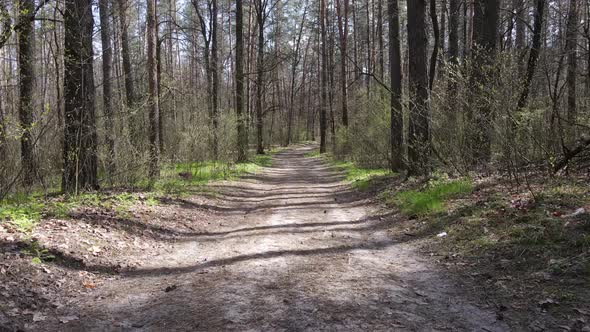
(293, 247)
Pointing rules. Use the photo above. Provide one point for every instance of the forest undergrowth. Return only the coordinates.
(55, 246)
(522, 249)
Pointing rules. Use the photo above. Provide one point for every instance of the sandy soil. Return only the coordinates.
(290, 249)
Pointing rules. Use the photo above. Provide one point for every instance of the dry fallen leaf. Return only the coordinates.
(88, 284)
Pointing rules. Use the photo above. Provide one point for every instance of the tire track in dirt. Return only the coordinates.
(293, 249)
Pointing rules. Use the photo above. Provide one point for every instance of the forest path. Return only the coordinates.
(294, 249)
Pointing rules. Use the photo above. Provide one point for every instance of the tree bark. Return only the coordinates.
(159, 62)
(324, 77)
(355, 39)
(26, 56)
(397, 121)
(242, 134)
(210, 55)
(3, 149)
(381, 50)
(130, 98)
(419, 148)
(331, 68)
(534, 53)
(153, 102)
(369, 63)
(215, 79)
(442, 37)
(342, 12)
(294, 65)
(435, 48)
(485, 35)
(107, 89)
(453, 47)
(261, 19)
(572, 68)
(519, 41)
(79, 153)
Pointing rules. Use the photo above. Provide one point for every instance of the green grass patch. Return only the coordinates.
(184, 178)
(313, 154)
(24, 212)
(432, 198)
(360, 178)
(568, 195)
(199, 173)
(264, 160)
(22, 215)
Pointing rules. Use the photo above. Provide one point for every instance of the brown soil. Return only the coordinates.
(291, 248)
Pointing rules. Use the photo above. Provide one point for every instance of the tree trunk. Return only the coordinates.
(215, 79)
(369, 63)
(519, 41)
(534, 53)
(468, 7)
(453, 47)
(130, 100)
(381, 51)
(331, 68)
(26, 56)
(250, 65)
(342, 11)
(294, 65)
(159, 62)
(397, 121)
(572, 68)
(435, 48)
(355, 38)
(3, 149)
(419, 148)
(324, 77)
(206, 28)
(261, 18)
(443, 37)
(242, 135)
(153, 102)
(485, 35)
(107, 95)
(79, 153)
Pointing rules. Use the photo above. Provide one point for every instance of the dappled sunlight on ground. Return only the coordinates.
(292, 248)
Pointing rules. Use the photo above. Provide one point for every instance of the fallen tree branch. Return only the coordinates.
(582, 144)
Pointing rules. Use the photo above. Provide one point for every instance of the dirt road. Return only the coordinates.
(293, 249)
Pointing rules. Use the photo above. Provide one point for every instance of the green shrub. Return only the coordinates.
(366, 140)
